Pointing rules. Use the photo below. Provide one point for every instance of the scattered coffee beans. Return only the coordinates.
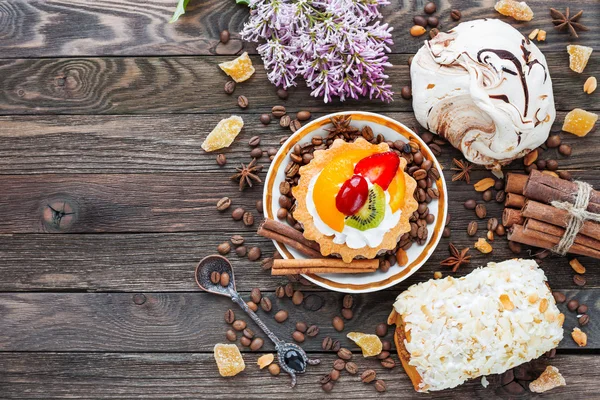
(338, 324)
(455, 15)
(312, 331)
(215, 277)
(224, 279)
(430, 7)
(368, 376)
(221, 159)
(281, 316)
(242, 101)
(229, 87)
(231, 336)
(254, 253)
(274, 369)
(380, 386)
(256, 344)
(265, 304)
(352, 368)
(297, 297)
(223, 204)
(223, 248)
(298, 336)
(229, 316)
(239, 325)
(381, 329)
(238, 214)
(572, 305)
(265, 119)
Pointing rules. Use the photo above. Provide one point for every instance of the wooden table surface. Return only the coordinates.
(103, 107)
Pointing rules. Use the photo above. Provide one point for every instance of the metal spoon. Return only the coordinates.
(292, 358)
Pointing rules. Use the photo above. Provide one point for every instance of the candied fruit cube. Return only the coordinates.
(578, 56)
(579, 122)
(549, 379)
(229, 359)
(370, 344)
(223, 134)
(519, 10)
(240, 69)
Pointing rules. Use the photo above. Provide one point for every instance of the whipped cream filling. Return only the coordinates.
(486, 89)
(352, 237)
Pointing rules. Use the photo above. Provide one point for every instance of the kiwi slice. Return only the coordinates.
(371, 213)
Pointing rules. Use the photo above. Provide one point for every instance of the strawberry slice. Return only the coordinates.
(379, 168)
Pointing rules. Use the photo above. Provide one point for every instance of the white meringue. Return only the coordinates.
(485, 88)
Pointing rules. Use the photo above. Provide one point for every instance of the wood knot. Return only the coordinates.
(313, 302)
(59, 215)
(139, 299)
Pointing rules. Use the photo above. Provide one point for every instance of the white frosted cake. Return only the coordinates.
(451, 330)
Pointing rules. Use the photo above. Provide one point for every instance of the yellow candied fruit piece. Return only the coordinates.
(506, 302)
(579, 122)
(229, 359)
(578, 56)
(519, 10)
(549, 379)
(265, 360)
(223, 134)
(370, 344)
(240, 69)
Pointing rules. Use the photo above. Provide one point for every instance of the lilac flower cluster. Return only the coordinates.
(335, 45)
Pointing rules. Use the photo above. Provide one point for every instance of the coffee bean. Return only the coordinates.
(383, 355)
(348, 301)
(229, 316)
(565, 150)
(328, 387)
(248, 218)
(297, 297)
(582, 309)
(285, 202)
(470, 204)
(559, 297)
(238, 214)
(500, 230)
(433, 21)
(352, 368)
(224, 279)
(472, 228)
(231, 336)
(295, 125)
(298, 336)
(244, 341)
(241, 251)
(338, 323)
(492, 224)
(386, 345)
(265, 304)
(289, 290)
(223, 248)
(368, 376)
(420, 20)
(553, 141)
(487, 195)
(242, 101)
(583, 320)
(254, 141)
(248, 333)
(278, 111)
(303, 115)
(339, 364)
(406, 92)
(579, 280)
(285, 121)
(380, 385)
(381, 329)
(324, 379)
(256, 295)
(281, 316)
(551, 165)
(239, 325)
(312, 331)
(388, 363)
(265, 119)
(223, 204)
(446, 232)
(336, 346)
(237, 240)
(500, 196)
(301, 326)
(256, 344)
(224, 37)
(229, 87)
(480, 211)
(455, 15)
(327, 343)
(215, 277)
(572, 305)
(282, 94)
(344, 354)
(430, 7)
(514, 247)
(221, 159)
(280, 292)
(274, 369)
(252, 305)
(256, 152)
(254, 253)
(566, 175)
(334, 374)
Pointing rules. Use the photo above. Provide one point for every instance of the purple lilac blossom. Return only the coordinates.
(339, 47)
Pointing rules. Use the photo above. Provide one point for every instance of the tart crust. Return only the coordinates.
(328, 247)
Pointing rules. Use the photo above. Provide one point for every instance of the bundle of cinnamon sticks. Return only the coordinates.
(532, 220)
(316, 263)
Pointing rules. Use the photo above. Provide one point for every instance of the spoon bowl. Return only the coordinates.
(211, 264)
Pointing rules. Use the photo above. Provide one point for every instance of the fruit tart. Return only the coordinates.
(355, 199)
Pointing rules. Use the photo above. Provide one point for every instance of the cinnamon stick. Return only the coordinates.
(295, 271)
(514, 200)
(515, 183)
(518, 233)
(547, 188)
(324, 263)
(307, 251)
(511, 217)
(292, 233)
(558, 217)
(557, 231)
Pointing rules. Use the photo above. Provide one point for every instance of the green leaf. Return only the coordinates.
(179, 11)
(244, 2)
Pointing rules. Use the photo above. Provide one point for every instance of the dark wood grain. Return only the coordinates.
(95, 144)
(193, 322)
(78, 28)
(195, 85)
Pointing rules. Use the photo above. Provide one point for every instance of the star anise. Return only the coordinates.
(464, 170)
(457, 258)
(247, 173)
(564, 21)
(341, 127)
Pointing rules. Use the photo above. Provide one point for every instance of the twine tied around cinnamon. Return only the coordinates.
(578, 214)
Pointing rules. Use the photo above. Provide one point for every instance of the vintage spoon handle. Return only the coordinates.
(240, 302)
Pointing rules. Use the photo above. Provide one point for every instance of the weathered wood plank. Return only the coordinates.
(168, 143)
(195, 85)
(193, 376)
(102, 28)
(193, 321)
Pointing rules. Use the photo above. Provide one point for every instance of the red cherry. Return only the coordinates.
(380, 168)
(352, 196)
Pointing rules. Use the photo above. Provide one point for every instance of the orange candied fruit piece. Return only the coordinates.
(397, 190)
(578, 56)
(579, 122)
(223, 134)
(370, 344)
(519, 10)
(240, 69)
(229, 359)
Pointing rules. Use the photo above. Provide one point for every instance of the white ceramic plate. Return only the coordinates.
(417, 255)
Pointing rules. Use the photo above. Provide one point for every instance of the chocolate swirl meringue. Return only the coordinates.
(485, 88)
